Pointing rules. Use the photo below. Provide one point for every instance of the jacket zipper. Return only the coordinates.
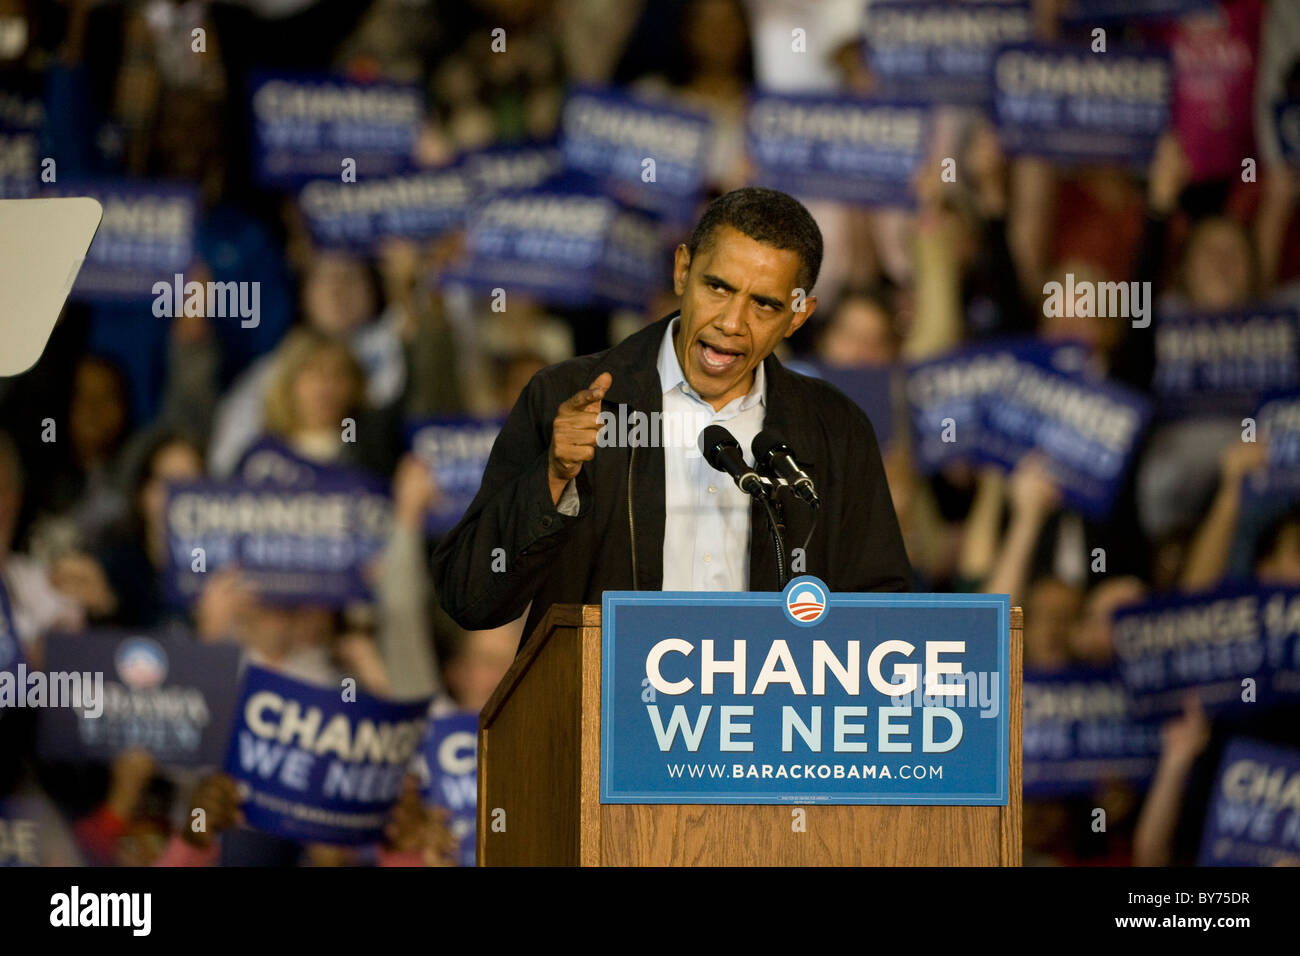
(631, 521)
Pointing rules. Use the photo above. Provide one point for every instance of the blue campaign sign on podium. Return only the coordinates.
(805, 696)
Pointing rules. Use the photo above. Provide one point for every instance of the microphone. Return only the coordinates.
(775, 457)
(722, 452)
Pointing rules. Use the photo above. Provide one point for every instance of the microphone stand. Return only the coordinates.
(776, 524)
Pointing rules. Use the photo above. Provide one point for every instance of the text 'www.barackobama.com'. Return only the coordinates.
(803, 771)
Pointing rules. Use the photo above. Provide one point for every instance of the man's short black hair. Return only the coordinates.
(766, 216)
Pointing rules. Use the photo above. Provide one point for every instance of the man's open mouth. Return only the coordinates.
(715, 359)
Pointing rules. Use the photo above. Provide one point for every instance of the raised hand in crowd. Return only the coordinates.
(1169, 173)
(82, 578)
(1207, 559)
(415, 492)
(1033, 496)
(1182, 740)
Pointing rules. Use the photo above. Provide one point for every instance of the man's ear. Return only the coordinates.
(796, 323)
(681, 266)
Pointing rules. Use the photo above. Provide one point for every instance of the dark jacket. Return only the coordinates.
(551, 558)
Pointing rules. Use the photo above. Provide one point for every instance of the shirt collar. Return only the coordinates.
(671, 375)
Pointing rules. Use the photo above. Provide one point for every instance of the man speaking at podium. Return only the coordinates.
(596, 482)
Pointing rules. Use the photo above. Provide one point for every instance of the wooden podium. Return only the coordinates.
(539, 787)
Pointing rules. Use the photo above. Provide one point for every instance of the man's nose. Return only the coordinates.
(731, 321)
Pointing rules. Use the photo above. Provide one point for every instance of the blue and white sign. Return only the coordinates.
(947, 395)
(1237, 647)
(1094, 11)
(1254, 813)
(516, 166)
(174, 697)
(838, 147)
(418, 205)
(315, 767)
(563, 247)
(1079, 732)
(147, 235)
(448, 762)
(1277, 423)
(306, 124)
(649, 154)
(1220, 363)
(457, 451)
(804, 697)
(296, 545)
(1075, 106)
(941, 52)
(1088, 430)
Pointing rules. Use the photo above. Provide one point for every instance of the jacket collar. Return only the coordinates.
(632, 363)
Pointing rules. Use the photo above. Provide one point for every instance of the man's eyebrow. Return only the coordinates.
(710, 279)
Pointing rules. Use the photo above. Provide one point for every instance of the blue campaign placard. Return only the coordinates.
(457, 450)
(1236, 647)
(296, 545)
(1088, 430)
(804, 697)
(947, 395)
(1254, 813)
(306, 124)
(1221, 363)
(1075, 106)
(147, 236)
(841, 147)
(316, 766)
(449, 765)
(514, 166)
(562, 244)
(1093, 11)
(1080, 732)
(1277, 423)
(172, 696)
(652, 154)
(359, 215)
(941, 52)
